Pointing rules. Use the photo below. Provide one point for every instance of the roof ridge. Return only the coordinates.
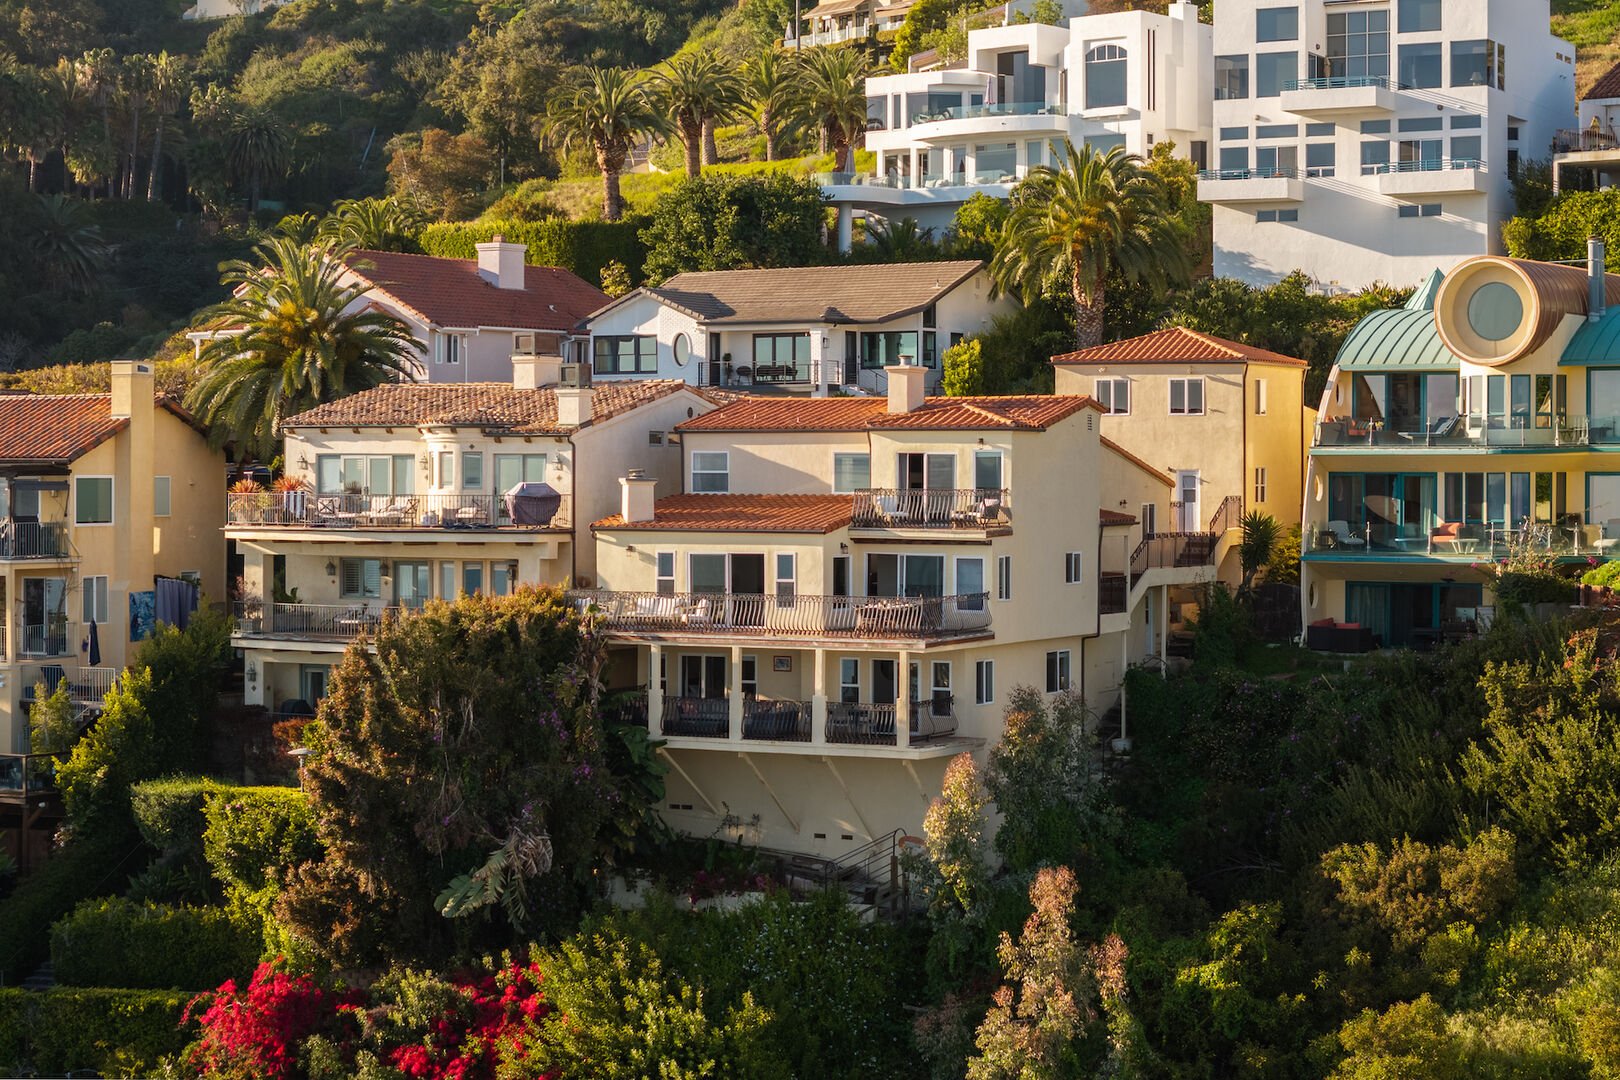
(1217, 342)
(1000, 418)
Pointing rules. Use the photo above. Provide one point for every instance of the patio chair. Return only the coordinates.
(1343, 536)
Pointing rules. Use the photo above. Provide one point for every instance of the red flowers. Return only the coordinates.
(256, 1034)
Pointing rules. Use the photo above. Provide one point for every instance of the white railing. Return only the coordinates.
(933, 508)
(787, 616)
(334, 622)
(306, 510)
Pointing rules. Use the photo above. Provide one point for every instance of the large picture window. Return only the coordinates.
(1358, 44)
(1276, 24)
(1231, 77)
(635, 354)
(1105, 77)
(780, 358)
(93, 500)
(1273, 72)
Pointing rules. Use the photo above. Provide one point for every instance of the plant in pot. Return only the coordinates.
(248, 500)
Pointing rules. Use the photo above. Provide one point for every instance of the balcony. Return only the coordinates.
(1586, 141)
(769, 720)
(309, 622)
(863, 724)
(87, 687)
(413, 513)
(734, 615)
(1432, 176)
(1365, 95)
(1469, 543)
(1453, 433)
(23, 539)
(933, 509)
(42, 639)
(1274, 185)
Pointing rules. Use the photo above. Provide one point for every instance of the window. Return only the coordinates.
(1276, 160)
(95, 599)
(445, 468)
(1467, 121)
(1276, 24)
(1465, 148)
(472, 578)
(711, 472)
(1234, 134)
(987, 470)
(748, 676)
(984, 682)
(1231, 77)
(1260, 484)
(1105, 77)
(1424, 210)
(841, 572)
(1319, 131)
(92, 500)
(514, 469)
(1273, 72)
(1003, 577)
(655, 438)
(1419, 15)
(1277, 131)
(1374, 158)
(970, 584)
(849, 680)
(885, 348)
(1073, 567)
(1321, 159)
(1057, 671)
(1375, 127)
(357, 474)
(665, 572)
(1284, 216)
(629, 354)
(413, 583)
(1358, 45)
(1259, 397)
(472, 471)
(360, 577)
(1187, 397)
(451, 348)
(930, 316)
(1114, 395)
(785, 562)
(1420, 66)
(502, 578)
(940, 688)
(781, 358)
(1234, 159)
(161, 489)
(1473, 63)
(851, 472)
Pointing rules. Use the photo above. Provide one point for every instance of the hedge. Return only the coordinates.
(583, 247)
(113, 1032)
(123, 943)
(169, 814)
(94, 866)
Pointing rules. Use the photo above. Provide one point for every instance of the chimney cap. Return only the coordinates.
(498, 238)
(634, 474)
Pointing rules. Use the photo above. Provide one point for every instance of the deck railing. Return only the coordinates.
(1341, 82)
(868, 724)
(936, 508)
(21, 539)
(698, 717)
(308, 510)
(1583, 141)
(1471, 541)
(50, 639)
(1228, 515)
(753, 614)
(24, 776)
(1520, 430)
(335, 622)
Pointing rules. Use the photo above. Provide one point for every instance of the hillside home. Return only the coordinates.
(1588, 155)
(806, 329)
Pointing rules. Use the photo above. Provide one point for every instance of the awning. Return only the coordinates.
(835, 7)
(1595, 344)
(895, 9)
(1401, 339)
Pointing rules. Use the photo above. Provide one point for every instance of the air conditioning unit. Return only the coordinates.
(523, 345)
(575, 375)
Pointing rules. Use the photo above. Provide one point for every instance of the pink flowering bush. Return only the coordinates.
(255, 1034)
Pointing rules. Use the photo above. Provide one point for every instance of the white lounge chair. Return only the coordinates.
(1343, 536)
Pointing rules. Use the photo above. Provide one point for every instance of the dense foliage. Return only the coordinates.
(78, 1029)
(731, 223)
(120, 943)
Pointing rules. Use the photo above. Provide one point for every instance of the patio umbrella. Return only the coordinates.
(95, 647)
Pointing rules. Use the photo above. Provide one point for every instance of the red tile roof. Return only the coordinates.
(1175, 345)
(450, 292)
(1607, 86)
(1160, 475)
(61, 427)
(1114, 517)
(481, 405)
(1032, 413)
(744, 513)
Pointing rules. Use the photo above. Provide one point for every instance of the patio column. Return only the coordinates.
(1164, 631)
(902, 702)
(655, 692)
(818, 360)
(735, 697)
(818, 701)
(846, 229)
(1124, 666)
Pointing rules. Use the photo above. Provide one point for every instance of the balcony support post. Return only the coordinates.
(1164, 631)
(655, 689)
(734, 697)
(818, 701)
(902, 701)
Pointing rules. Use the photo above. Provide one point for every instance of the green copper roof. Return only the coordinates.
(1595, 344)
(1423, 298)
(1399, 339)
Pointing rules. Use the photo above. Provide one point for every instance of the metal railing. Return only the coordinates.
(49, 639)
(20, 539)
(1228, 515)
(332, 622)
(697, 717)
(776, 720)
(24, 776)
(1169, 550)
(1342, 82)
(306, 510)
(624, 707)
(1455, 431)
(868, 724)
(1427, 165)
(1004, 108)
(934, 508)
(731, 614)
(1583, 141)
(1113, 593)
(1473, 540)
(1274, 172)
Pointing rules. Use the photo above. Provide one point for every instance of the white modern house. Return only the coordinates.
(1365, 142)
(224, 9)
(808, 330)
(1588, 155)
(1129, 79)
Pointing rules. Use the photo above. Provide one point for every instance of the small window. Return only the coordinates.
(1057, 671)
(1114, 395)
(502, 578)
(93, 500)
(162, 488)
(785, 576)
(1105, 77)
(1003, 577)
(984, 682)
(445, 462)
(1415, 16)
(1072, 568)
(1234, 134)
(472, 471)
(655, 438)
(711, 472)
(987, 474)
(1260, 485)
(1276, 24)
(851, 473)
(1375, 127)
(1317, 131)
(1259, 397)
(95, 599)
(666, 573)
(1321, 160)
(1187, 397)
(1277, 131)
(625, 355)
(451, 348)
(360, 577)
(1231, 77)
(970, 584)
(749, 676)
(472, 578)
(849, 680)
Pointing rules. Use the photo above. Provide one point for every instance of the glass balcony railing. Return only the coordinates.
(1427, 165)
(1004, 108)
(1274, 172)
(1454, 432)
(1474, 541)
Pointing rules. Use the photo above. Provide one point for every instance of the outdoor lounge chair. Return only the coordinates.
(1343, 536)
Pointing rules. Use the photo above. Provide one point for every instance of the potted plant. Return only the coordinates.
(248, 501)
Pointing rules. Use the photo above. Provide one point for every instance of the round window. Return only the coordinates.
(1495, 311)
(683, 349)
(1310, 596)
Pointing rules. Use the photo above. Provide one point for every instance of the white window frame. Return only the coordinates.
(452, 348)
(1185, 385)
(748, 676)
(1003, 577)
(984, 682)
(1000, 459)
(837, 457)
(1259, 397)
(1259, 484)
(475, 565)
(162, 504)
(1114, 383)
(112, 501)
(95, 608)
(847, 664)
(786, 585)
(724, 474)
(1059, 671)
(965, 603)
(660, 579)
(936, 687)
(1074, 567)
(444, 468)
(472, 455)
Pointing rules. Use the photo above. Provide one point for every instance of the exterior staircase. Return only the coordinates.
(871, 875)
(43, 978)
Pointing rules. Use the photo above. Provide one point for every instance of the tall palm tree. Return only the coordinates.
(99, 69)
(835, 98)
(1070, 226)
(610, 113)
(67, 246)
(300, 338)
(67, 88)
(135, 87)
(696, 89)
(171, 86)
(771, 83)
(257, 147)
(390, 224)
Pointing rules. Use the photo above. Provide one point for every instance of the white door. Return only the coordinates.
(1188, 517)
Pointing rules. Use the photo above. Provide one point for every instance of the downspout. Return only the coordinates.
(573, 514)
(1098, 631)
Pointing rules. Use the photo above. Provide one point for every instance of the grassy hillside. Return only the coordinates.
(1593, 26)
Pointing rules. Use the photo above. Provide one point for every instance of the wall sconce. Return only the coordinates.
(303, 463)
(331, 568)
(630, 549)
(843, 548)
(252, 676)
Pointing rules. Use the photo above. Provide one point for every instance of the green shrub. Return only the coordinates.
(583, 247)
(964, 369)
(122, 943)
(111, 1032)
(83, 868)
(253, 836)
(169, 814)
(1605, 576)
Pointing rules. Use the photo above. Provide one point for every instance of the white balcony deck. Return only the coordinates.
(1251, 186)
(1335, 97)
(1439, 176)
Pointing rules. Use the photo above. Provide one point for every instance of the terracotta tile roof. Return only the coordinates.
(449, 292)
(1607, 86)
(482, 405)
(62, 427)
(1175, 345)
(833, 294)
(744, 513)
(1114, 517)
(1158, 474)
(1034, 413)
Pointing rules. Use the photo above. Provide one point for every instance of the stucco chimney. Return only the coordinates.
(132, 388)
(531, 372)
(906, 387)
(500, 263)
(636, 496)
(1597, 300)
(1183, 10)
(573, 405)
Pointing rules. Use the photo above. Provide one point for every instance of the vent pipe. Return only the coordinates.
(1596, 279)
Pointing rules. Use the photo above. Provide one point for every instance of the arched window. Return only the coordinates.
(1105, 76)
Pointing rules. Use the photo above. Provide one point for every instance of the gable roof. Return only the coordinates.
(1176, 345)
(450, 292)
(816, 294)
(481, 405)
(1030, 413)
(743, 513)
(1607, 86)
(58, 428)
(1158, 474)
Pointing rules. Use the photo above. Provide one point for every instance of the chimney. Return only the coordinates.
(133, 387)
(500, 263)
(906, 388)
(636, 496)
(573, 405)
(531, 372)
(1597, 300)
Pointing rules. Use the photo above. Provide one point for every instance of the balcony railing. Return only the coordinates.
(1342, 82)
(754, 615)
(937, 508)
(776, 720)
(1004, 108)
(926, 180)
(50, 639)
(865, 724)
(20, 539)
(1171, 550)
(1425, 165)
(307, 510)
(1583, 141)
(1113, 593)
(1471, 541)
(1273, 172)
(1543, 429)
(697, 717)
(85, 685)
(319, 622)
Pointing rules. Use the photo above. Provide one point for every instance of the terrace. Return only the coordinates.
(418, 513)
(847, 723)
(643, 615)
(933, 508)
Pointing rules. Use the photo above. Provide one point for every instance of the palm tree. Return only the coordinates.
(1261, 535)
(1070, 226)
(697, 89)
(68, 89)
(771, 83)
(135, 86)
(67, 246)
(835, 98)
(899, 241)
(257, 148)
(171, 85)
(99, 70)
(610, 112)
(300, 337)
(390, 224)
